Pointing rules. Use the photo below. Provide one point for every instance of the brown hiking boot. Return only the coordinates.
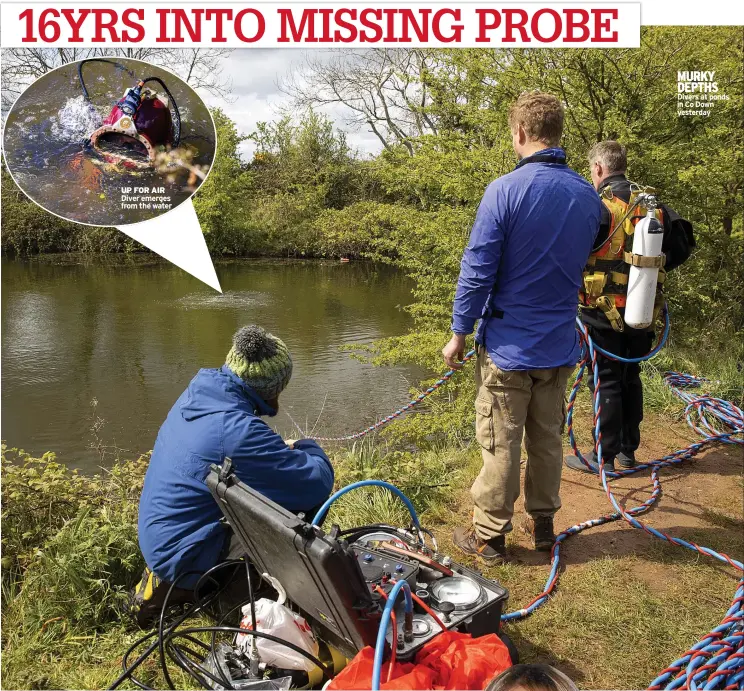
(540, 529)
(492, 551)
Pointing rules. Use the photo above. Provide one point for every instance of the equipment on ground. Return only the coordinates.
(716, 661)
(718, 657)
(339, 583)
(138, 125)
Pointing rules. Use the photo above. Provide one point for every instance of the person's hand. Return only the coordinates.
(290, 443)
(454, 351)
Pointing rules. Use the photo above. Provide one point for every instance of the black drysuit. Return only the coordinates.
(620, 383)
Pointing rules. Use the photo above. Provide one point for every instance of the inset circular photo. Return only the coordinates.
(109, 141)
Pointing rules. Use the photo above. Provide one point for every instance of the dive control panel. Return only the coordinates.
(447, 594)
(380, 568)
(339, 582)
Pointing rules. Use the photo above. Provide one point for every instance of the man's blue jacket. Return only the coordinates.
(522, 269)
(218, 417)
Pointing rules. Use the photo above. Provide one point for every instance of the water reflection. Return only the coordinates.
(132, 334)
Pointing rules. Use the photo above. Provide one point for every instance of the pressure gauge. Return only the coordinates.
(463, 592)
(374, 540)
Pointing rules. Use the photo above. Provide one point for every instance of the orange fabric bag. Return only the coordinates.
(451, 660)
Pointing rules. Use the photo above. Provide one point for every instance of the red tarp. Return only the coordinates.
(450, 660)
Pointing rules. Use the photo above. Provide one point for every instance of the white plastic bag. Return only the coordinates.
(275, 619)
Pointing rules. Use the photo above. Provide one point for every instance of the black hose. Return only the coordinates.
(167, 637)
(206, 576)
(110, 62)
(260, 634)
(128, 670)
(172, 100)
(176, 113)
(371, 528)
(161, 637)
(194, 669)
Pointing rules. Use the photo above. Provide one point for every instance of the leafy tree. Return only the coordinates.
(219, 201)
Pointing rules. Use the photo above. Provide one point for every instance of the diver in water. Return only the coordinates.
(140, 123)
(219, 416)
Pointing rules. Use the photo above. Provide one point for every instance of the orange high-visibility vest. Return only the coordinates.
(606, 272)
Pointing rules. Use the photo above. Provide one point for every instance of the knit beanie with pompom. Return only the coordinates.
(261, 360)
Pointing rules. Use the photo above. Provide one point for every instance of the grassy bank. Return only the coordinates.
(626, 605)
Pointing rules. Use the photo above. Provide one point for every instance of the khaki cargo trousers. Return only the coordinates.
(511, 405)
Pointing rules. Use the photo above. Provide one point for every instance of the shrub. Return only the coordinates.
(69, 541)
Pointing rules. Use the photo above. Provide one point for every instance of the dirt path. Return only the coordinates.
(627, 603)
(702, 501)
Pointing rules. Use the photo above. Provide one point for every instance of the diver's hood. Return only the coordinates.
(131, 140)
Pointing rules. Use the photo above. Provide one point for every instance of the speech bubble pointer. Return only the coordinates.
(177, 237)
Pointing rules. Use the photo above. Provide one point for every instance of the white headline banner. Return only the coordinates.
(308, 25)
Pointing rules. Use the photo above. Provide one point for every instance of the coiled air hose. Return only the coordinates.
(717, 660)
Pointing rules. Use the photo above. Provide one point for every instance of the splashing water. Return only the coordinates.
(45, 148)
(76, 120)
(231, 299)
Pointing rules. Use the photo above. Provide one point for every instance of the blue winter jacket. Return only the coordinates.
(522, 269)
(218, 417)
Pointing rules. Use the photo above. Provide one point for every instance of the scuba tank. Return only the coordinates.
(645, 261)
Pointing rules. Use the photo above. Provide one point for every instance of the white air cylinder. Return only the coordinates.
(647, 239)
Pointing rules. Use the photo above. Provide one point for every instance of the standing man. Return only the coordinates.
(519, 275)
(603, 302)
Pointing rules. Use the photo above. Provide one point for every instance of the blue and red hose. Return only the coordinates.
(717, 660)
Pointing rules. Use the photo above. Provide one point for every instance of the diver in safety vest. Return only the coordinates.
(614, 263)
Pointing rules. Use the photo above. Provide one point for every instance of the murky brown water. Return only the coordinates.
(131, 334)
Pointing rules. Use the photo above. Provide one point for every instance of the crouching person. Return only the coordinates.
(218, 416)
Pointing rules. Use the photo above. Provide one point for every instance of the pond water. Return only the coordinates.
(46, 131)
(130, 334)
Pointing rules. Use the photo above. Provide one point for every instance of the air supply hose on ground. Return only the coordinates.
(172, 640)
(717, 660)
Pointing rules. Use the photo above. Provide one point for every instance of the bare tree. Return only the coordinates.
(201, 68)
(383, 89)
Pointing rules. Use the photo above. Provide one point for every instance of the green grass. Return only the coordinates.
(722, 369)
(70, 554)
(608, 628)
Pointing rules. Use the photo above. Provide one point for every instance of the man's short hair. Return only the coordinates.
(541, 116)
(611, 155)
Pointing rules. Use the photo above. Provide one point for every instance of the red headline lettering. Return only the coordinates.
(537, 26)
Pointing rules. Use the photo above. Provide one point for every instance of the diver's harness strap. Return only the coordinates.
(607, 305)
(645, 262)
